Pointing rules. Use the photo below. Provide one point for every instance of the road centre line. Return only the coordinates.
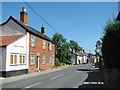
(56, 76)
(31, 85)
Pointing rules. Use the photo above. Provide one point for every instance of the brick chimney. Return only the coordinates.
(43, 30)
(23, 15)
(83, 51)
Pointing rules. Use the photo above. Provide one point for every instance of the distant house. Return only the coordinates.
(93, 59)
(24, 49)
(84, 56)
(76, 58)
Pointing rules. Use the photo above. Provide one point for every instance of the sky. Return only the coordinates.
(82, 22)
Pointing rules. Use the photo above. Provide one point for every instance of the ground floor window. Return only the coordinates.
(22, 59)
(43, 58)
(32, 58)
(50, 58)
(11, 59)
(17, 59)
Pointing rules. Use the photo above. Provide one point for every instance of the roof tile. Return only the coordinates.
(5, 40)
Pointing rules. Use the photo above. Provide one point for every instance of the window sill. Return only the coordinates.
(22, 64)
(13, 64)
(32, 64)
(33, 46)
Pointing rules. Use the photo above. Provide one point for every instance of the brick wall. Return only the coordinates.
(39, 51)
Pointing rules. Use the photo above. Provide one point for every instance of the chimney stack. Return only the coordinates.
(23, 15)
(43, 30)
(83, 51)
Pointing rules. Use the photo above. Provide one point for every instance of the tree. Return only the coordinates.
(62, 48)
(74, 46)
(111, 53)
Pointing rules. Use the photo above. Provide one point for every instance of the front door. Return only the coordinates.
(38, 62)
(52, 60)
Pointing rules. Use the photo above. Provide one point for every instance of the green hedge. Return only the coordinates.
(111, 46)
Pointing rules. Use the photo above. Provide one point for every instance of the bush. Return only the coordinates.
(111, 45)
(57, 62)
(63, 64)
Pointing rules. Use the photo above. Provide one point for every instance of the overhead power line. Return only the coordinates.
(40, 16)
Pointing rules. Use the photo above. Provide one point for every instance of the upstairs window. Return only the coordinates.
(43, 44)
(32, 40)
(50, 46)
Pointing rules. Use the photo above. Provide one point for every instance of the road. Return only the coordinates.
(70, 77)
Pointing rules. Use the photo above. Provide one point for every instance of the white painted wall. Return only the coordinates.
(84, 59)
(27, 49)
(79, 58)
(20, 48)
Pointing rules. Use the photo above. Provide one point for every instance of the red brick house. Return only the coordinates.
(24, 49)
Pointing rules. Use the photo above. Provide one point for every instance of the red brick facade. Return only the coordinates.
(39, 51)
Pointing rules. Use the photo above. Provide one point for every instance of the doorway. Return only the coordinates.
(38, 62)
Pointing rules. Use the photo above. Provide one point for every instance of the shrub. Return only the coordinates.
(111, 45)
(57, 62)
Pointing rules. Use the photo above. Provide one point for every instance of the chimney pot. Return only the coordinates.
(43, 30)
(24, 9)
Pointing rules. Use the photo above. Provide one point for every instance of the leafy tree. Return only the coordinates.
(111, 54)
(111, 44)
(74, 46)
(62, 48)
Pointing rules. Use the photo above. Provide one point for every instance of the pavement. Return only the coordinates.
(95, 79)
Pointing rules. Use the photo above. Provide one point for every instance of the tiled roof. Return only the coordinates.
(83, 53)
(5, 40)
(29, 29)
(76, 53)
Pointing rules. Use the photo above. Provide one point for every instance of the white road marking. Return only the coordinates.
(31, 85)
(56, 76)
(93, 83)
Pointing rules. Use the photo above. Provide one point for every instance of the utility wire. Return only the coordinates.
(40, 16)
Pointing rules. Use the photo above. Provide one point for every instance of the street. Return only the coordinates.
(71, 77)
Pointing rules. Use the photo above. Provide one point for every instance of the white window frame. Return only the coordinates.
(43, 58)
(32, 62)
(32, 40)
(50, 46)
(44, 44)
(50, 59)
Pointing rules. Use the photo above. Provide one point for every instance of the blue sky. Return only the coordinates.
(79, 21)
